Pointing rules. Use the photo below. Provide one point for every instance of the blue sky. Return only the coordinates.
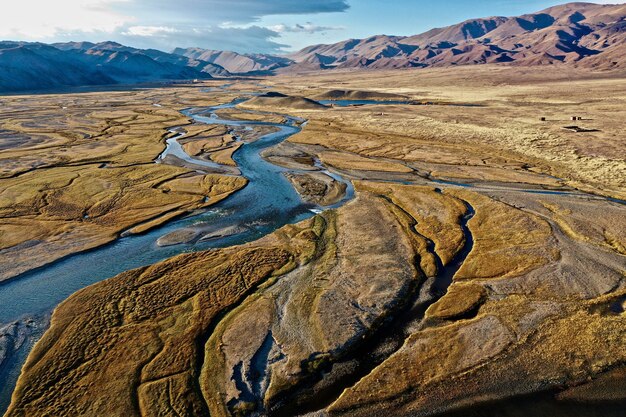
(271, 26)
(405, 17)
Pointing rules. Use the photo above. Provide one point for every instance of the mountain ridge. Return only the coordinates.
(34, 66)
(235, 62)
(569, 33)
(586, 35)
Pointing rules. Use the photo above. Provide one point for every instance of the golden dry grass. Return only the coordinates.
(92, 175)
(501, 128)
(530, 308)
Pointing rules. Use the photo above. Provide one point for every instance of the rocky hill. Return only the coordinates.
(165, 59)
(236, 63)
(583, 34)
(35, 66)
(578, 34)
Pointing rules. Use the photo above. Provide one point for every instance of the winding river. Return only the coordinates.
(267, 203)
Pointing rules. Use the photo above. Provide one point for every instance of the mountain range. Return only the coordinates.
(37, 66)
(582, 34)
(249, 64)
(579, 34)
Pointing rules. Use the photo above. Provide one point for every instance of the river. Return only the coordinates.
(267, 203)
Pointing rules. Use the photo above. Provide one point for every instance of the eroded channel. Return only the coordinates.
(267, 203)
(322, 389)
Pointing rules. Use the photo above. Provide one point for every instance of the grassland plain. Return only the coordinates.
(82, 170)
(478, 262)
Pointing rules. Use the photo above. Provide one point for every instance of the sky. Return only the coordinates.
(264, 26)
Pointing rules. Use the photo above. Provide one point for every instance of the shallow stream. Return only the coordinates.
(267, 203)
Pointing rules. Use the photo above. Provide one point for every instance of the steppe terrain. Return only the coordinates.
(479, 268)
(78, 170)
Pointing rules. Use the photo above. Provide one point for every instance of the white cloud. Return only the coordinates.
(239, 11)
(161, 24)
(41, 19)
(150, 31)
(240, 39)
(304, 28)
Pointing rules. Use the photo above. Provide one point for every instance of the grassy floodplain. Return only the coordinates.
(482, 257)
(77, 170)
